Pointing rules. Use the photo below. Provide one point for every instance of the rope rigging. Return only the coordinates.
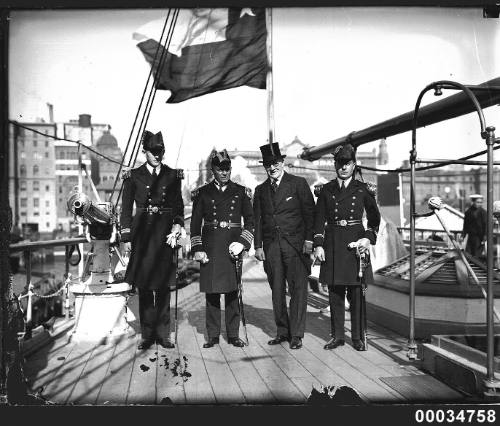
(163, 47)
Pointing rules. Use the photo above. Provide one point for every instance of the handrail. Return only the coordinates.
(33, 245)
(487, 94)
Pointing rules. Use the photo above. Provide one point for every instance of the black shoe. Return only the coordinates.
(166, 343)
(277, 340)
(358, 345)
(296, 343)
(334, 343)
(211, 342)
(236, 341)
(145, 344)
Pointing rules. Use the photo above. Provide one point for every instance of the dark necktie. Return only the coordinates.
(274, 185)
(342, 188)
(154, 172)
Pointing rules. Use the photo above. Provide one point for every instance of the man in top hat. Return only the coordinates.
(151, 235)
(475, 226)
(283, 210)
(337, 223)
(218, 236)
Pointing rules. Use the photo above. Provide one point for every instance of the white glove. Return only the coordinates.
(201, 256)
(174, 235)
(319, 253)
(363, 244)
(235, 248)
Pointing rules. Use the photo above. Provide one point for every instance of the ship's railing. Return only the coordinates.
(27, 248)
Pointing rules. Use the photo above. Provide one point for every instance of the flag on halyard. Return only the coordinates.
(210, 50)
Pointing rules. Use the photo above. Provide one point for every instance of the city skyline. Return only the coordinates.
(335, 70)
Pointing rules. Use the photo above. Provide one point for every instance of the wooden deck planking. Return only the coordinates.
(252, 385)
(198, 389)
(65, 379)
(224, 384)
(142, 387)
(41, 366)
(281, 386)
(92, 377)
(116, 380)
(167, 384)
(256, 374)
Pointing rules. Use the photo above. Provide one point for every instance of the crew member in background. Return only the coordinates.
(475, 226)
(151, 235)
(217, 237)
(283, 210)
(341, 204)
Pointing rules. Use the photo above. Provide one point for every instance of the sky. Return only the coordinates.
(335, 70)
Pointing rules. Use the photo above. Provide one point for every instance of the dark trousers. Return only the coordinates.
(336, 296)
(284, 264)
(154, 313)
(231, 314)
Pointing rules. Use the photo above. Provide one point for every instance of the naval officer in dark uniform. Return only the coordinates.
(283, 210)
(151, 235)
(337, 223)
(217, 236)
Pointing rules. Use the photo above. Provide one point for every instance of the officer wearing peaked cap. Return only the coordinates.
(337, 223)
(217, 235)
(150, 235)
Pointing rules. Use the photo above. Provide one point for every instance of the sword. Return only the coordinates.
(176, 253)
(364, 260)
(239, 266)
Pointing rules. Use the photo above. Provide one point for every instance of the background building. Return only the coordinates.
(32, 184)
(104, 171)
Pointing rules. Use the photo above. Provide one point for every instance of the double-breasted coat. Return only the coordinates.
(158, 205)
(216, 222)
(338, 222)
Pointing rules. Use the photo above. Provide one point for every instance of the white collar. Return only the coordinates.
(219, 186)
(280, 177)
(346, 182)
(150, 168)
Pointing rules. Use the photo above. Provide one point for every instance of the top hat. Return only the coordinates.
(217, 158)
(153, 143)
(271, 153)
(344, 153)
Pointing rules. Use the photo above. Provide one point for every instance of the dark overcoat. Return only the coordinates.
(288, 214)
(151, 263)
(212, 210)
(475, 227)
(341, 265)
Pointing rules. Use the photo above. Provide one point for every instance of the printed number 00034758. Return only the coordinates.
(451, 416)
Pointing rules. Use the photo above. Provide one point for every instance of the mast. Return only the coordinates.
(269, 77)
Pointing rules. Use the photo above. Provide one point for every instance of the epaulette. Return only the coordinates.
(248, 192)
(371, 188)
(195, 192)
(126, 174)
(180, 173)
(318, 188)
